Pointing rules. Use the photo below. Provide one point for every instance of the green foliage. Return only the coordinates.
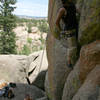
(7, 23)
(35, 22)
(29, 47)
(35, 48)
(43, 26)
(29, 40)
(26, 50)
(21, 20)
(29, 25)
(7, 43)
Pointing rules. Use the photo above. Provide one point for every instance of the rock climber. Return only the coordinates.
(67, 14)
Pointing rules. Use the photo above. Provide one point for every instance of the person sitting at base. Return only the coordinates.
(68, 15)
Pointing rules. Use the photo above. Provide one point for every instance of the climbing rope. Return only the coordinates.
(39, 65)
(42, 56)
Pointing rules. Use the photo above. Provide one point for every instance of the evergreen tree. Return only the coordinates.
(7, 24)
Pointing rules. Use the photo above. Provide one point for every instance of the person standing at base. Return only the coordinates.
(68, 15)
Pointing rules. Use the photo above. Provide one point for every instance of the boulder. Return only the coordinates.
(35, 30)
(72, 84)
(90, 90)
(37, 68)
(89, 58)
(13, 68)
(23, 89)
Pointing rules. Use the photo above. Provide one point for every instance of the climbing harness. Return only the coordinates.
(67, 34)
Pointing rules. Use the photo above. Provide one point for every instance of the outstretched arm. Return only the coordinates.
(59, 16)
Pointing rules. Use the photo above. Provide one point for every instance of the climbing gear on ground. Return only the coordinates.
(5, 89)
(8, 92)
(13, 85)
(3, 83)
(2, 92)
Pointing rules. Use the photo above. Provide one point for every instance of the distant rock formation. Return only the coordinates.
(23, 36)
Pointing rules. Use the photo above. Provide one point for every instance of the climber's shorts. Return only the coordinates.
(71, 44)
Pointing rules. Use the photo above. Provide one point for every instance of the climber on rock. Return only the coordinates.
(67, 14)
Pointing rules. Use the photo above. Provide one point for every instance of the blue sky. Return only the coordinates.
(32, 8)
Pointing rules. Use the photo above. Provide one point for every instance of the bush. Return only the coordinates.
(29, 25)
(26, 50)
(29, 40)
(43, 26)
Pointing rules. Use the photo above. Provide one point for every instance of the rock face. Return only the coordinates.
(89, 59)
(89, 21)
(90, 89)
(81, 83)
(56, 54)
(40, 66)
(57, 69)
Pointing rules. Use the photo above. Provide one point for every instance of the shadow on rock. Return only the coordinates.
(40, 80)
(22, 90)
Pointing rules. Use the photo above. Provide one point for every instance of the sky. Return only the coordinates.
(37, 8)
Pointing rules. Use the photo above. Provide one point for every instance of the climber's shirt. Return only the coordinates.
(69, 33)
(69, 18)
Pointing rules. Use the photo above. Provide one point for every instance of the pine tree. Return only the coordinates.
(7, 24)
